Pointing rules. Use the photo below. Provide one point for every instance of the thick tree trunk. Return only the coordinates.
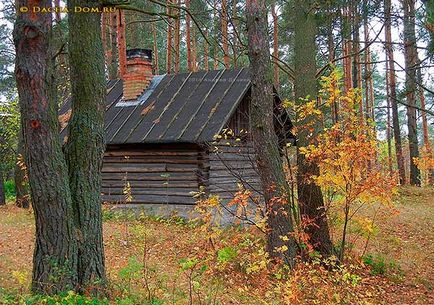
(392, 91)
(85, 147)
(274, 184)
(54, 258)
(410, 54)
(21, 189)
(309, 194)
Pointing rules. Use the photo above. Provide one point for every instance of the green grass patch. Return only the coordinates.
(10, 190)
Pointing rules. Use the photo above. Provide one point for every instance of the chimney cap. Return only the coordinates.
(140, 53)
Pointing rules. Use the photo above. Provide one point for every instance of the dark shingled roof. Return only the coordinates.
(185, 107)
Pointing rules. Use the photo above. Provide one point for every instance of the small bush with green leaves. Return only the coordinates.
(379, 265)
(10, 190)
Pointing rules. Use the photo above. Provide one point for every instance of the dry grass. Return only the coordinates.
(405, 241)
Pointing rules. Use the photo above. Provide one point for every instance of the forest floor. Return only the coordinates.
(169, 261)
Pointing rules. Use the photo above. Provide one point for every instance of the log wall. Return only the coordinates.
(157, 174)
(230, 166)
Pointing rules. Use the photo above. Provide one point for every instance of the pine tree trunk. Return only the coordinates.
(425, 131)
(113, 63)
(188, 36)
(309, 194)
(356, 65)
(55, 255)
(225, 43)
(347, 46)
(265, 140)
(177, 39)
(275, 45)
(121, 40)
(193, 50)
(155, 47)
(393, 97)
(206, 52)
(331, 58)
(85, 147)
(236, 31)
(21, 189)
(410, 54)
(388, 124)
(216, 31)
(169, 45)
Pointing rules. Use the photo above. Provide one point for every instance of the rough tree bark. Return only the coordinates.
(309, 194)
(410, 54)
(392, 92)
(21, 189)
(85, 147)
(55, 255)
(265, 140)
(275, 45)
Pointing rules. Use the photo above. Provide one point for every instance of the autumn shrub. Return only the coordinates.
(346, 156)
(425, 163)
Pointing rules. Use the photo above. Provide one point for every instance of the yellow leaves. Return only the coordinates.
(20, 277)
(128, 197)
(346, 153)
(425, 163)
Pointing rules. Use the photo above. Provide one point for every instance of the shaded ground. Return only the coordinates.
(163, 249)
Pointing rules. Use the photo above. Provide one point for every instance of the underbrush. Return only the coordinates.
(9, 190)
(154, 260)
(168, 260)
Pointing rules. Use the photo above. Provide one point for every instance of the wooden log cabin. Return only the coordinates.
(161, 135)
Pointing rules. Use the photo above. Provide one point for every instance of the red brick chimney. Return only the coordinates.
(138, 73)
(135, 65)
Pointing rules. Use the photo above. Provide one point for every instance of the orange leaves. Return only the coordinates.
(425, 163)
(64, 119)
(345, 151)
